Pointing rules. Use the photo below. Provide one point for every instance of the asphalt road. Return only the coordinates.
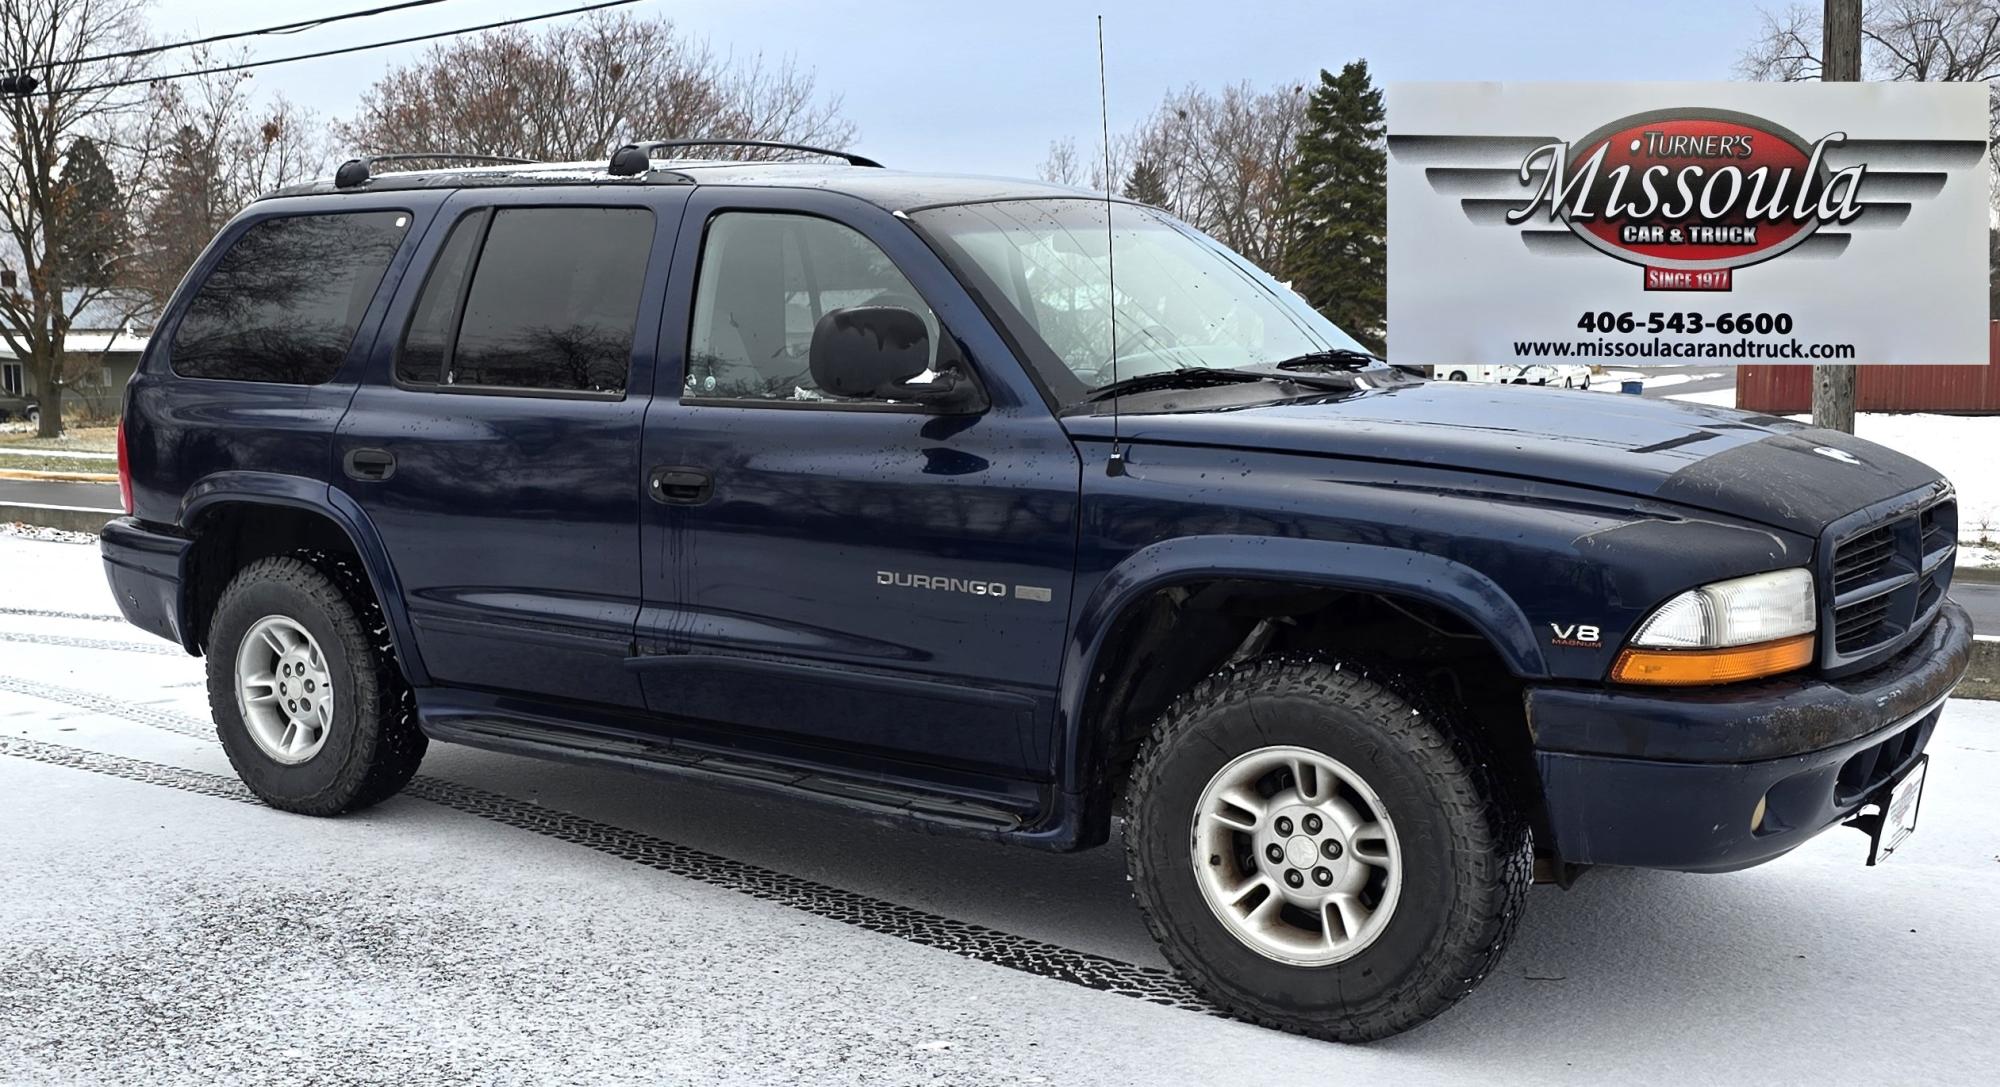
(514, 921)
(102, 496)
(1981, 601)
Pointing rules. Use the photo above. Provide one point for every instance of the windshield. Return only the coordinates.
(1183, 300)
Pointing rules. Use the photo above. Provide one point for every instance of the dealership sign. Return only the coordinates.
(1661, 224)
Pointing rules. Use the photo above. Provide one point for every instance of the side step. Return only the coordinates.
(873, 796)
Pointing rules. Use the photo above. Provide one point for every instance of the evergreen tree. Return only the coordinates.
(91, 237)
(1146, 185)
(1338, 201)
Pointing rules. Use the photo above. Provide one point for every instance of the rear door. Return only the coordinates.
(495, 445)
(852, 574)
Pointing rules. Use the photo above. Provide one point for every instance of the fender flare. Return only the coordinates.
(1434, 579)
(314, 496)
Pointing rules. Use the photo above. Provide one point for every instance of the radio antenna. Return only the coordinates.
(1116, 465)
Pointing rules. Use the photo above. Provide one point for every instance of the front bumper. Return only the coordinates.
(1673, 779)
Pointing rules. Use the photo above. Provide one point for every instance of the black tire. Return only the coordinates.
(1458, 375)
(374, 746)
(1467, 856)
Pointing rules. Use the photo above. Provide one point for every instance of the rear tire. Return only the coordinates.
(1460, 855)
(1458, 375)
(290, 622)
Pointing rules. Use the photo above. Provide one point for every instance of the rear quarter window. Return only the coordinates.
(283, 304)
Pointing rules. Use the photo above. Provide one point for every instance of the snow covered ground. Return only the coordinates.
(510, 921)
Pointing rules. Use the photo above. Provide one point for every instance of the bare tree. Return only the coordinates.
(577, 90)
(1061, 166)
(1222, 157)
(218, 147)
(52, 41)
(1902, 40)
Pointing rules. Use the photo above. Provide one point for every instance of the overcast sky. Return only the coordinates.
(983, 87)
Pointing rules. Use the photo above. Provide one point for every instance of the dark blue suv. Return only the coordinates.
(892, 491)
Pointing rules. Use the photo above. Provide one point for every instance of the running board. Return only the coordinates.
(870, 796)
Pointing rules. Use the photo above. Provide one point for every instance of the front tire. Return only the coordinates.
(312, 711)
(1321, 854)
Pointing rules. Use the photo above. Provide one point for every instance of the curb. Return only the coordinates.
(1982, 575)
(67, 518)
(39, 476)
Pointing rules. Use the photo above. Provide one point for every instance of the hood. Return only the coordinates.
(1762, 468)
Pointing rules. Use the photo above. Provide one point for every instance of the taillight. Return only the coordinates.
(124, 470)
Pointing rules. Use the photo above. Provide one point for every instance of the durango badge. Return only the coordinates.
(1690, 194)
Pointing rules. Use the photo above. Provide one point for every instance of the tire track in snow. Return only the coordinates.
(970, 941)
(43, 614)
(160, 649)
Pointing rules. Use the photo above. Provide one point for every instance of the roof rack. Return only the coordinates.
(636, 158)
(354, 172)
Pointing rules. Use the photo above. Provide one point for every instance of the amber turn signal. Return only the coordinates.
(1704, 667)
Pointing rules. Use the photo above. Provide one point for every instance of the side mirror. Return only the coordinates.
(878, 352)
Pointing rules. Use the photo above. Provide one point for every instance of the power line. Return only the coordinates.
(339, 52)
(282, 28)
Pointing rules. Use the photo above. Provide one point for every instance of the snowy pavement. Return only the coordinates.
(510, 921)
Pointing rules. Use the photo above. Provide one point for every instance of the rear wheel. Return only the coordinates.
(308, 704)
(1321, 854)
(1458, 375)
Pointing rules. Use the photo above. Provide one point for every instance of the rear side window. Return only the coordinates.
(550, 304)
(284, 302)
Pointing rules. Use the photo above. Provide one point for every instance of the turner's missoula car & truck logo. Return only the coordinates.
(1689, 194)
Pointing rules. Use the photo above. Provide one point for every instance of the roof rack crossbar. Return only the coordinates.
(353, 172)
(636, 158)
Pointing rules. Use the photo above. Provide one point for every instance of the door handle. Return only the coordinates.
(369, 465)
(680, 485)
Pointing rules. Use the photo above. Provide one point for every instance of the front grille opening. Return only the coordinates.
(1905, 563)
(1861, 625)
(1864, 559)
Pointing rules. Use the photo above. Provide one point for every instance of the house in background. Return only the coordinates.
(100, 353)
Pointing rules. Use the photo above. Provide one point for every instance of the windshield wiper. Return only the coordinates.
(1187, 377)
(1340, 358)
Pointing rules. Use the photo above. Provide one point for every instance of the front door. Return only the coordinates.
(495, 446)
(855, 574)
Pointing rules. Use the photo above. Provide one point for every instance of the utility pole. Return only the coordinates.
(1840, 62)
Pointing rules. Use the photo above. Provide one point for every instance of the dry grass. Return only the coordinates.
(91, 439)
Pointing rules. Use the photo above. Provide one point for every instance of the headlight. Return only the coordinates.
(1728, 631)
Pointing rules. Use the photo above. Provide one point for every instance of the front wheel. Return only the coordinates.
(309, 705)
(1317, 853)
(1458, 375)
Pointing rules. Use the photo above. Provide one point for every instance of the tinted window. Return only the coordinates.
(765, 281)
(283, 303)
(421, 360)
(554, 299)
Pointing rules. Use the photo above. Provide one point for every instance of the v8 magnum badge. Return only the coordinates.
(1690, 194)
(1576, 635)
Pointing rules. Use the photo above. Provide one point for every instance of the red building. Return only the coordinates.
(1787, 390)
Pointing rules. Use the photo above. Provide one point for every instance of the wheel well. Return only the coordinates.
(230, 535)
(1165, 643)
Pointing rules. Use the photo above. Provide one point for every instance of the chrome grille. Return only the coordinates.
(1885, 573)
